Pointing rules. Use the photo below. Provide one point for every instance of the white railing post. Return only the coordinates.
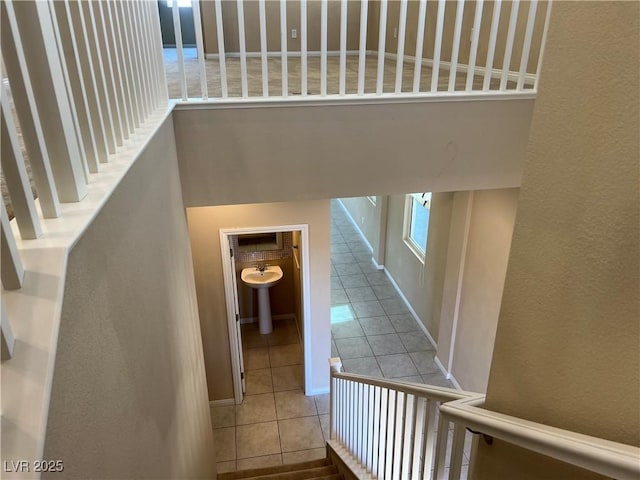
(283, 47)
(457, 31)
(243, 49)
(343, 48)
(8, 340)
(197, 21)
(25, 106)
(323, 47)
(495, 22)
(43, 63)
(477, 22)
(362, 53)
(15, 174)
(177, 31)
(303, 47)
(11, 269)
(382, 38)
(438, 45)
(402, 28)
(422, 14)
(543, 43)
(263, 47)
(335, 365)
(221, 52)
(526, 47)
(508, 49)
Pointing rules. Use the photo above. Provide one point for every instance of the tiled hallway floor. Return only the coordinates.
(276, 422)
(372, 330)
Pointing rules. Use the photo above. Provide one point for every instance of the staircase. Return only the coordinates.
(322, 469)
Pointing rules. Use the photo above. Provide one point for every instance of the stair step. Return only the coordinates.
(335, 476)
(280, 469)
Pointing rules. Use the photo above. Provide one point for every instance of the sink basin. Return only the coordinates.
(257, 279)
(261, 281)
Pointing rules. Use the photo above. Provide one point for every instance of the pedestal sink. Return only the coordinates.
(262, 280)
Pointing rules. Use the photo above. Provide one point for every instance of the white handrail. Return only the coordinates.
(598, 455)
(402, 421)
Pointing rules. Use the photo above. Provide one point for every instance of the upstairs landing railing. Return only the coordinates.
(394, 430)
(301, 49)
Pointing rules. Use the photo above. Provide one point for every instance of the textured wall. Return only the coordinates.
(329, 151)
(567, 343)
(204, 226)
(129, 396)
(490, 230)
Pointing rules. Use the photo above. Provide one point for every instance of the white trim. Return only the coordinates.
(453, 380)
(376, 264)
(442, 368)
(463, 257)
(350, 99)
(416, 317)
(464, 68)
(278, 54)
(225, 402)
(355, 224)
(229, 280)
(317, 391)
(283, 316)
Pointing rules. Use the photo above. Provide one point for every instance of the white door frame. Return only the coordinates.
(230, 276)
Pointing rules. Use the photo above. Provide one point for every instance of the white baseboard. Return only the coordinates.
(225, 402)
(276, 54)
(529, 78)
(284, 316)
(416, 317)
(446, 373)
(376, 264)
(355, 225)
(318, 391)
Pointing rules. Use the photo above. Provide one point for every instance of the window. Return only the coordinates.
(416, 222)
(372, 199)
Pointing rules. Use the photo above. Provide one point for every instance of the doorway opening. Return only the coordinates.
(266, 278)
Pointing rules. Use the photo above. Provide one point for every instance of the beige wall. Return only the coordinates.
(405, 267)
(366, 215)
(492, 214)
(204, 225)
(568, 329)
(272, 10)
(129, 395)
(334, 151)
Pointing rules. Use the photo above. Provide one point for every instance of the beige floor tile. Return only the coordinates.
(290, 377)
(223, 416)
(260, 462)
(258, 439)
(251, 336)
(282, 355)
(225, 467)
(256, 358)
(304, 455)
(322, 403)
(297, 433)
(256, 409)
(258, 381)
(324, 423)
(293, 404)
(224, 440)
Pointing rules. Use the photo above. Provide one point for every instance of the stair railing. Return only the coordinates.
(401, 430)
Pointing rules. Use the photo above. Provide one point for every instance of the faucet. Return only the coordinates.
(262, 268)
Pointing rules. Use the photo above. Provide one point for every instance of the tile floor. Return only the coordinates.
(276, 422)
(371, 330)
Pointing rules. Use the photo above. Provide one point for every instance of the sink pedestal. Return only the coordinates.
(264, 311)
(262, 279)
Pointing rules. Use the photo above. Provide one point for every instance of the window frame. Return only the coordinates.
(407, 226)
(372, 200)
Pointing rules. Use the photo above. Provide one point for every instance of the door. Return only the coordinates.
(237, 315)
